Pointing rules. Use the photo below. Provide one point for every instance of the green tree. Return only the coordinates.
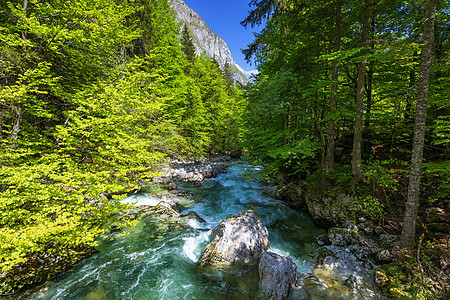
(360, 87)
(412, 204)
(186, 42)
(93, 96)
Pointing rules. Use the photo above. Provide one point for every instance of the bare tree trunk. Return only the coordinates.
(1, 125)
(25, 6)
(329, 156)
(412, 204)
(16, 128)
(357, 137)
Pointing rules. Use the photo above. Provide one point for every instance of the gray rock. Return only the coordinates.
(352, 282)
(314, 287)
(292, 194)
(195, 216)
(383, 257)
(205, 40)
(191, 172)
(241, 238)
(298, 293)
(40, 266)
(359, 245)
(388, 240)
(346, 264)
(322, 240)
(379, 230)
(366, 227)
(139, 211)
(322, 253)
(350, 225)
(172, 208)
(323, 210)
(163, 197)
(277, 274)
(172, 186)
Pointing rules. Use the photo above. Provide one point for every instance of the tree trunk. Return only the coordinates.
(412, 204)
(25, 6)
(16, 128)
(361, 80)
(329, 158)
(412, 83)
(370, 72)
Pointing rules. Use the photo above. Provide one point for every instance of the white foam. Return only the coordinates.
(193, 223)
(280, 252)
(138, 200)
(191, 247)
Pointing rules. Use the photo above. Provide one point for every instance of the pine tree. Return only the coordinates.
(186, 42)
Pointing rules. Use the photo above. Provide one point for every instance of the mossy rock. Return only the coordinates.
(321, 254)
(380, 278)
(293, 194)
(41, 266)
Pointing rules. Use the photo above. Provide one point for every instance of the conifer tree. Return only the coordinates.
(186, 42)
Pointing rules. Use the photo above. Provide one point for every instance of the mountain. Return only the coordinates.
(205, 40)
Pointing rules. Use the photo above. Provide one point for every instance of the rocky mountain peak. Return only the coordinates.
(205, 40)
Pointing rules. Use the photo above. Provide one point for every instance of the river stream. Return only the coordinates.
(158, 259)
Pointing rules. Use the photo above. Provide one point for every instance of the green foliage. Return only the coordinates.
(437, 179)
(275, 131)
(94, 96)
(288, 102)
(186, 42)
(405, 281)
(367, 205)
(442, 130)
(367, 199)
(378, 176)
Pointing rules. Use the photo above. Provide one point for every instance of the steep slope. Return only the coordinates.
(205, 40)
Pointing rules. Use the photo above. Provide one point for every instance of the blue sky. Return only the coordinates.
(223, 17)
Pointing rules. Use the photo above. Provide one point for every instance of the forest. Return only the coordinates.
(351, 97)
(94, 95)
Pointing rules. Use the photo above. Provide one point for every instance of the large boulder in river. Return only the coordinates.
(241, 238)
(277, 274)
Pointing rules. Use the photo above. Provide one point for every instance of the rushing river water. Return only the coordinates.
(158, 259)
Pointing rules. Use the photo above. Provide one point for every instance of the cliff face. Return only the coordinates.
(205, 40)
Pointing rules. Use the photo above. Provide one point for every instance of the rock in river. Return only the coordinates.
(277, 274)
(241, 238)
(169, 208)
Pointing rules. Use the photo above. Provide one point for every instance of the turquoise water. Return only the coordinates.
(158, 259)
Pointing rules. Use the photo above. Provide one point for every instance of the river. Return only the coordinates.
(157, 260)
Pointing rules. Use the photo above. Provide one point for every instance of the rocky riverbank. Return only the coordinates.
(190, 171)
(344, 267)
(360, 257)
(41, 266)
